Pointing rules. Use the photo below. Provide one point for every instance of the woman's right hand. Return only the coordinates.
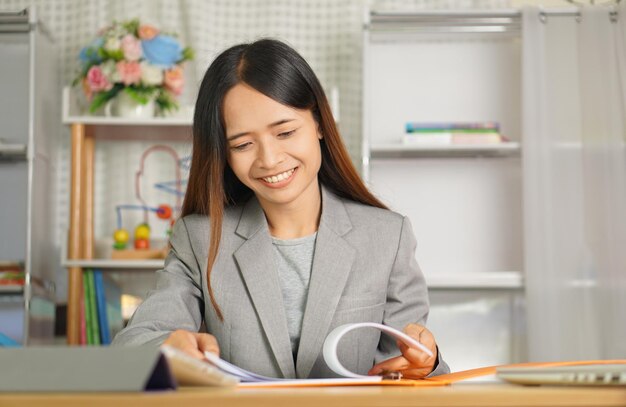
(193, 343)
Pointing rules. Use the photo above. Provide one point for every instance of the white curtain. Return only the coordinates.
(574, 91)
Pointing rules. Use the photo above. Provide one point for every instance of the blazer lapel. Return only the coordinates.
(332, 263)
(256, 262)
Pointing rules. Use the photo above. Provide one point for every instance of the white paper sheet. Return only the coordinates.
(332, 340)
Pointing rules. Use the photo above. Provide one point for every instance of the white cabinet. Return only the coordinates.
(29, 118)
(464, 202)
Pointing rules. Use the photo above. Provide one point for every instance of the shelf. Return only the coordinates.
(12, 151)
(73, 114)
(107, 264)
(579, 145)
(118, 121)
(507, 280)
(445, 21)
(395, 150)
(11, 289)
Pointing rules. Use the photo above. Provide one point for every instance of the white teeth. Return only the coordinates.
(280, 177)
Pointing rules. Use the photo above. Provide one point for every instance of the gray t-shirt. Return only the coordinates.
(294, 259)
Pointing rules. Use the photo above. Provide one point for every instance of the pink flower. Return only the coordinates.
(97, 80)
(174, 80)
(147, 32)
(130, 72)
(131, 47)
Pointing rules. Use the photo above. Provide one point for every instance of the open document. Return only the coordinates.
(217, 371)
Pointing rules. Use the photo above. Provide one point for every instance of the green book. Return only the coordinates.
(93, 308)
(87, 308)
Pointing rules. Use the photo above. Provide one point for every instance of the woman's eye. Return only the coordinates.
(241, 147)
(287, 133)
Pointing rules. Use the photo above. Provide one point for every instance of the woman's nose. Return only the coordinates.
(270, 154)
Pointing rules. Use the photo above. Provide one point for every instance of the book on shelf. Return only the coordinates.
(101, 315)
(93, 308)
(412, 127)
(444, 134)
(109, 295)
(87, 310)
(6, 341)
(83, 320)
(12, 273)
(103, 320)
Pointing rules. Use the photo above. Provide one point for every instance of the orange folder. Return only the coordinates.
(442, 380)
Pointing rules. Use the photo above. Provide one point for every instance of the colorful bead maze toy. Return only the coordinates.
(142, 249)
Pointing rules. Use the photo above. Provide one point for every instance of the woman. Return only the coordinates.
(279, 239)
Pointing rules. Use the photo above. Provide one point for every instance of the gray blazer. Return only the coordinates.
(364, 270)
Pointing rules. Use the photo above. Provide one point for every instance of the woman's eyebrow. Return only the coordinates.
(274, 124)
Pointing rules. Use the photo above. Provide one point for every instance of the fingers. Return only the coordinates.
(416, 373)
(425, 337)
(397, 364)
(414, 363)
(193, 344)
(208, 343)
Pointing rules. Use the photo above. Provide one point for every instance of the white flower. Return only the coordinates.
(151, 75)
(112, 44)
(117, 30)
(110, 71)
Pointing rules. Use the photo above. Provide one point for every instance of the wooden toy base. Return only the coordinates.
(133, 254)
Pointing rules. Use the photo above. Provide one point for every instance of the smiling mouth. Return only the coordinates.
(279, 177)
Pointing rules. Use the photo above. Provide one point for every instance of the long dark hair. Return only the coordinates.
(279, 72)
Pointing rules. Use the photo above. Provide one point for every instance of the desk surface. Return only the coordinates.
(467, 394)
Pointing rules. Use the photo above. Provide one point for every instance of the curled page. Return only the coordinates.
(332, 340)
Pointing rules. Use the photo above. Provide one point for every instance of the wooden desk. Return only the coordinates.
(466, 394)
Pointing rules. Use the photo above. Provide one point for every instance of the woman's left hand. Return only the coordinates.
(414, 363)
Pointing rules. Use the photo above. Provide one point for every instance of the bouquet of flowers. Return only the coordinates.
(133, 58)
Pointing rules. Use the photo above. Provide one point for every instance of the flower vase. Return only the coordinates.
(123, 105)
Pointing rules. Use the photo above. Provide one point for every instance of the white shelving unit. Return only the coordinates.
(115, 264)
(30, 118)
(511, 280)
(391, 150)
(464, 201)
(89, 133)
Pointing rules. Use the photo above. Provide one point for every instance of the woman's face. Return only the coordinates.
(273, 149)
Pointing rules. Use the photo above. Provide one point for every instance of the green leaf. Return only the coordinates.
(140, 93)
(132, 26)
(116, 55)
(137, 95)
(101, 98)
(188, 54)
(98, 100)
(165, 101)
